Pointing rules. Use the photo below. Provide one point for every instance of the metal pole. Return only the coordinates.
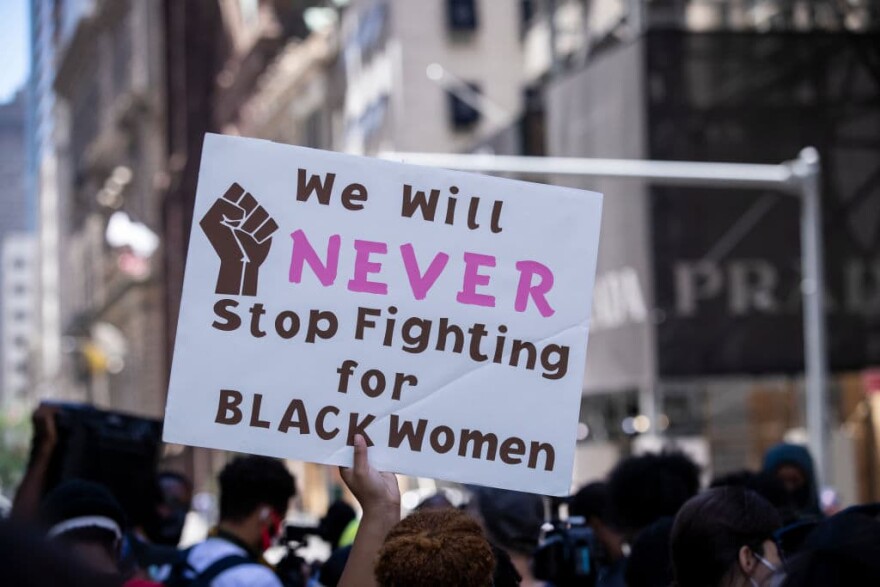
(680, 173)
(800, 178)
(808, 171)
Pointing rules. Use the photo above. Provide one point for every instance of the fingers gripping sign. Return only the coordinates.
(240, 231)
(374, 490)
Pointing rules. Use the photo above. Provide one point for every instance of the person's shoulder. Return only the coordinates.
(250, 575)
(206, 553)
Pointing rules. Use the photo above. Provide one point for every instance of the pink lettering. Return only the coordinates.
(363, 267)
(472, 279)
(421, 284)
(304, 253)
(525, 289)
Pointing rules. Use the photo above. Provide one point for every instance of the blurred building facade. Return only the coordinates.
(17, 315)
(696, 320)
(109, 90)
(16, 221)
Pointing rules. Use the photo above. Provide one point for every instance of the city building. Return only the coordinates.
(440, 75)
(697, 326)
(108, 114)
(15, 220)
(43, 192)
(17, 314)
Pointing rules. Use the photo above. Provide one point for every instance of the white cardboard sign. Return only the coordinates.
(443, 315)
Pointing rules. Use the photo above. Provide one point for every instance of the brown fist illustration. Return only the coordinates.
(240, 230)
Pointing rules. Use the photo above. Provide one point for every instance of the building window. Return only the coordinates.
(463, 116)
(461, 15)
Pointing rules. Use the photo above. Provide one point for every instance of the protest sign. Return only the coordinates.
(442, 315)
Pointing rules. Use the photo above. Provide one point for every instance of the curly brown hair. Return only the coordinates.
(436, 548)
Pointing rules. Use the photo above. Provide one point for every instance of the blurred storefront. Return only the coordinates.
(697, 327)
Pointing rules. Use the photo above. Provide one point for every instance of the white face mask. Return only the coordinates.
(775, 579)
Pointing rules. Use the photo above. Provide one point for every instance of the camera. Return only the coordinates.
(293, 569)
(567, 554)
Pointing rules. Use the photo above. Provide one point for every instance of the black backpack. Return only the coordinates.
(184, 575)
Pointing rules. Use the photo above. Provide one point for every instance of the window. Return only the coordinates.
(463, 115)
(461, 15)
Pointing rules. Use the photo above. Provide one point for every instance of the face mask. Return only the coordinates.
(775, 579)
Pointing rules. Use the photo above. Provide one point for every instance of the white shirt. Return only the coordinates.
(201, 556)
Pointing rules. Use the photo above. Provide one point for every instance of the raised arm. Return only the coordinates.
(30, 491)
(379, 497)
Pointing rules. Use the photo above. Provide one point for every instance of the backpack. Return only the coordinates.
(184, 575)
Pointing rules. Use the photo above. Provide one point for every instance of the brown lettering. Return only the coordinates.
(356, 426)
(512, 449)
(228, 411)
(295, 417)
(352, 194)
(479, 440)
(414, 435)
(448, 442)
(255, 412)
(549, 455)
(322, 432)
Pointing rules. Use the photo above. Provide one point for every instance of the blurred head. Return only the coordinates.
(86, 519)
(645, 488)
(433, 549)
(254, 496)
(723, 537)
(437, 501)
(649, 564)
(792, 465)
(592, 503)
(842, 550)
(765, 485)
(173, 497)
(333, 524)
(512, 519)
(28, 560)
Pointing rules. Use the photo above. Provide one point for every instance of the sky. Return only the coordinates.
(14, 53)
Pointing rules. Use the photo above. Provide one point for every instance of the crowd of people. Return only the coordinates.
(648, 523)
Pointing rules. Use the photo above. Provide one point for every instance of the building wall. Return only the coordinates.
(17, 314)
(490, 56)
(14, 209)
(390, 102)
(111, 150)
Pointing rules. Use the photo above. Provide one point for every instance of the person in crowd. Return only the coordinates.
(793, 466)
(379, 496)
(336, 523)
(724, 538)
(649, 563)
(26, 504)
(512, 521)
(436, 548)
(29, 560)
(176, 494)
(765, 485)
(593, 504)
(151, 545)
(645, 488)
(841, 550)
(254, 497)
(88, 521)
(436, 501)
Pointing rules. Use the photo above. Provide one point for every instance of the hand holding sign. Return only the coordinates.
(240, 230)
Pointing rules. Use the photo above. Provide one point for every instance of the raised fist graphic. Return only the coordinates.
(240, 230)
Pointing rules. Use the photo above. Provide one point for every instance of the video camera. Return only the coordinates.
(290, 569)
(567, 554)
